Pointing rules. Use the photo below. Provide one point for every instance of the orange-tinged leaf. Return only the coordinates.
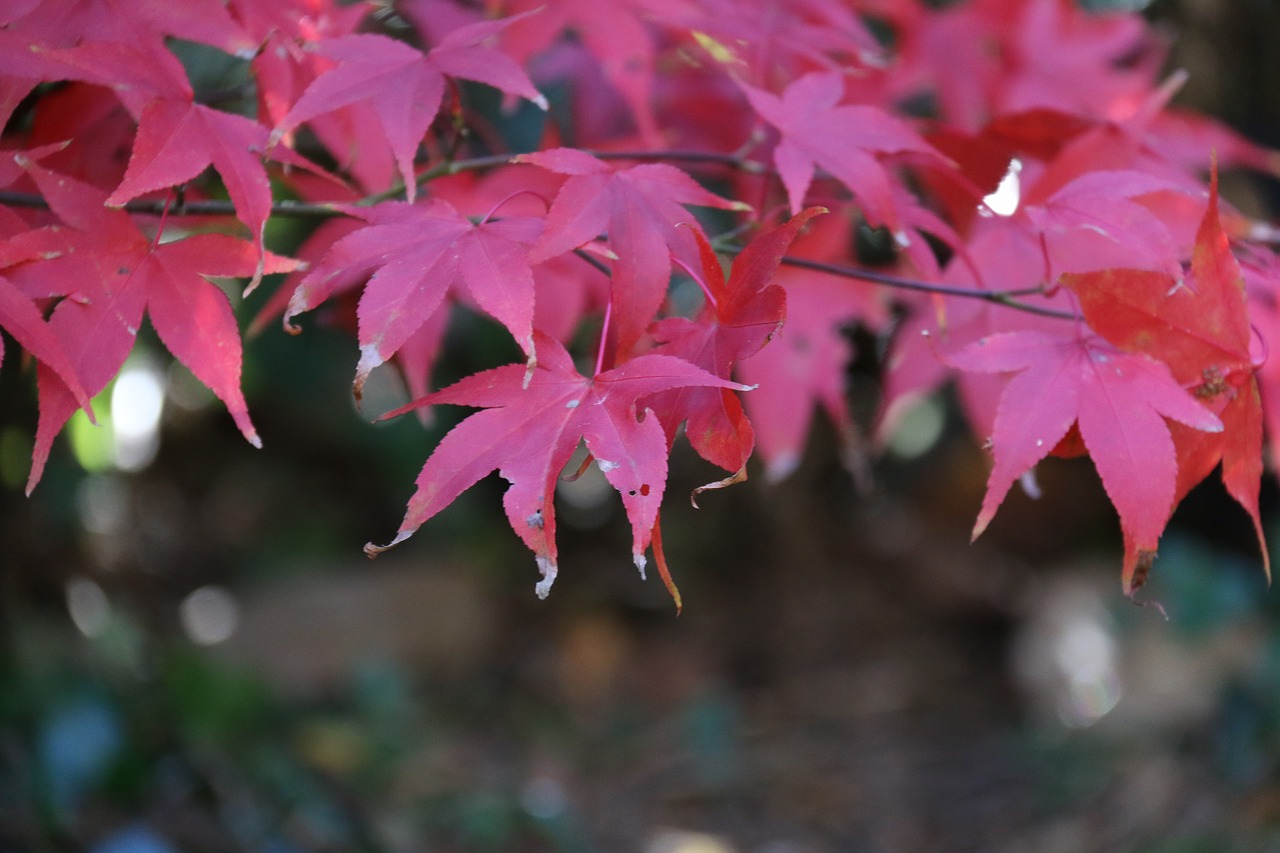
(747, 311)
(1199, 328)
(1119, 401)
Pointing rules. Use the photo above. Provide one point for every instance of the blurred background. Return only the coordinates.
(196, 656)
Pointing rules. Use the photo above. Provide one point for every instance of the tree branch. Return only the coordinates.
(199, 207)
(324, 210)
(1008, 298)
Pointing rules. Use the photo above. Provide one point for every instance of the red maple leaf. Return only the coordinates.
(178, 139)
(403, 86)
(1100, 221)
(67, 22)
(741, 315)
(19, 314)
(21, 318)
(641, 209)
(777, 37)
(112, 273)
(1199, 328)
(411, 255)
(1118, 401)
(528, 430)
(614, 33)
(844, 140)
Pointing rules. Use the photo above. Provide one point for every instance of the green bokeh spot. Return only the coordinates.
(93, 445)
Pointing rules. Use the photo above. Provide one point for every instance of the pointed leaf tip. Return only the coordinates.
(663, 570)
(641, 564)
(372, 550)
(549, 571)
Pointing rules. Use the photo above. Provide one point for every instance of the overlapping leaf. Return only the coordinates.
(640, 207)
(412, 254)
(741, 316)
(115, 273)
(846, 141)
(403, 86)
(614, 33)
(177, 140)
(1200, 329)
(529, 429)
(1119, 401)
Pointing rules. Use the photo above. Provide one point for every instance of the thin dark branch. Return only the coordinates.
(201, 207)
(296, 209)
(999, 297)
(737, 161)
(304, 210)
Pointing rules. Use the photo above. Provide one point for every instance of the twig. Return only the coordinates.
(1008, 298)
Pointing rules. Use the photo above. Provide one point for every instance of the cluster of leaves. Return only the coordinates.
(1057, 245)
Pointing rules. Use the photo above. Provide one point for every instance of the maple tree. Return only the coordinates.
(1053, 243)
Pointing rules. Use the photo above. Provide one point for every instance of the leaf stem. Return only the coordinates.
(693, 274)
(604, 337)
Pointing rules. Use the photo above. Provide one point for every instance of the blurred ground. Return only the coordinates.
(849, 673)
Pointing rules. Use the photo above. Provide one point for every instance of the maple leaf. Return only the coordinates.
(304, 20)
(784, 35)
(803, 367)
(529, 431)
(19, 314)
(803, 370)
(1098, 221)
(614, 33)
(21, 318)
(817, 131)
(403, 86)
(118, 273)
(67, 22)
(285, 65)
(1118, 401)
(411, 255)
(177, 139)
(993, 57)
(640, 208)
(740, 317)
(1201, 330)
(566, 287)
